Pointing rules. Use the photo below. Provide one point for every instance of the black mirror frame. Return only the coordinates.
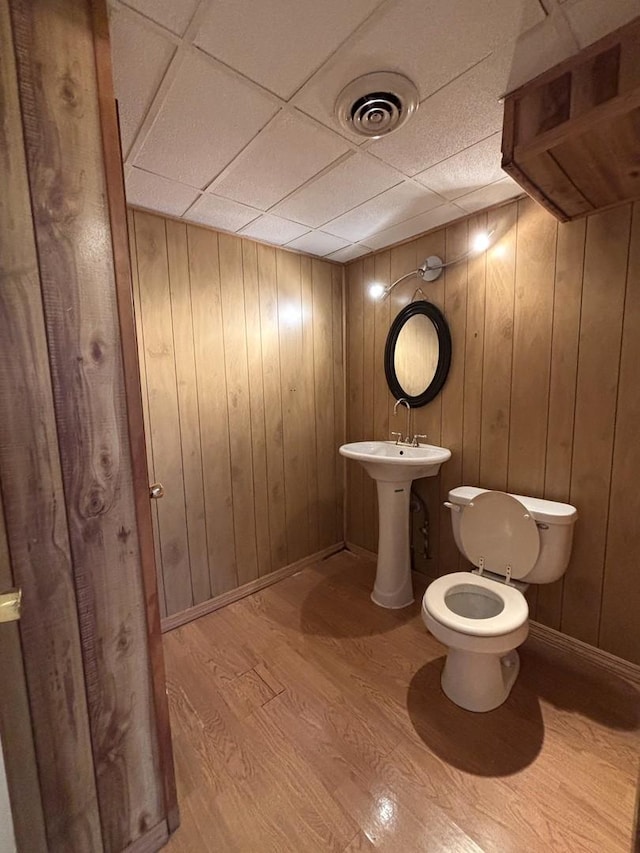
(444, 355)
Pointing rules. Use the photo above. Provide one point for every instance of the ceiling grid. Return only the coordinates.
(227, 109)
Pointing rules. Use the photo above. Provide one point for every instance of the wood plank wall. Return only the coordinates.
(542, 399)
(242, 373)
(88, 737)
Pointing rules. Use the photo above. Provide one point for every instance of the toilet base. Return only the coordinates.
(479, 682)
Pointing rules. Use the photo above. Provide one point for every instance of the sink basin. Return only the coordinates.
(396, 463)
(394, 467)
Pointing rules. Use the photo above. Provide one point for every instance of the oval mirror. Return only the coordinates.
(418, 353)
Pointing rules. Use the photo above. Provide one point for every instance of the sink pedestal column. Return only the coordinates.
(393, 587)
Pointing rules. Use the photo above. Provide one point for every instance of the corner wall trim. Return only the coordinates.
(184, 616)
(598, 657)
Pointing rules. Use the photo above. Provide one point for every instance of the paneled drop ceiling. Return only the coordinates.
(226, 109)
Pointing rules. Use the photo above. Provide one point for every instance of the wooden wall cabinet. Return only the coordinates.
(571, 137)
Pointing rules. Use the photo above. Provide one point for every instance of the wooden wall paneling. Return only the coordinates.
(313, 463)
(544, 409)
(562, 389)
(164, 416)
(112, 154)
(69, 203)
(474, 359)
(532, 329)
(403, 259)
(339, 387)
(455, 310)
(605, 268)
(355, 398)
(498, 349)
(621, 583)
(293, 403)
(142, 366)
(188, 412)
(38, 543)
(212, 395)
(381, 393)
(368, 372)
(257, 405)
(267, 278)
(239, 412)
(323, 366)
(530, 370)
(427, 420)
(16, 732)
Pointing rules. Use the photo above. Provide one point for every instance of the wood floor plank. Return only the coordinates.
(307, 719)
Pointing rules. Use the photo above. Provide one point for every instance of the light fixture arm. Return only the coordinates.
(431, 268)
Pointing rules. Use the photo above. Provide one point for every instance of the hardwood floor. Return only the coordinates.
(305, 718)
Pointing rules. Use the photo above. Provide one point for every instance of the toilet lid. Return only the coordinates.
(497, 527)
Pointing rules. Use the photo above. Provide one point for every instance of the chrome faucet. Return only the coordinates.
(395, 411)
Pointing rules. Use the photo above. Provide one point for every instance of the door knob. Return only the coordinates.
(10, 605)
(156, 490)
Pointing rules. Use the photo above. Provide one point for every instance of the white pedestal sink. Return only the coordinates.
(394, 467)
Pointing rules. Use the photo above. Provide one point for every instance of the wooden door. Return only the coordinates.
(83, 710)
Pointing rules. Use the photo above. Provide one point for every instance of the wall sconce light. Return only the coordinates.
(431, 268)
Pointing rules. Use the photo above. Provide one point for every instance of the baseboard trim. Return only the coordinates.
(152, 841)
(184, 616)
(360, 552)
(563, 642)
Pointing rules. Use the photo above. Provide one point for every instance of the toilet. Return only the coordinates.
(482, 616)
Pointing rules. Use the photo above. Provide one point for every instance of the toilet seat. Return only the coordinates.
(513, 615)
(499, 534)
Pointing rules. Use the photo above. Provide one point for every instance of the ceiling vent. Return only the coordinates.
(377, 104)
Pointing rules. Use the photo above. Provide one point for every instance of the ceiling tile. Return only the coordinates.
(156, 193)
(492, 194)
(221, 213)
(540, 48)
(274, 229)
(346, 185)
(417, 225)
(592, 19)
(390, 207)
(140, 58)
(174, 16)
(453, 36)
(466, 171)
(457, 116)
(349, 253)
(317, 243)
(207, 117)
(279, 43)
(289, 151)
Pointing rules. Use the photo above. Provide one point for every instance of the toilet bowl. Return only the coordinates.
(482, 615)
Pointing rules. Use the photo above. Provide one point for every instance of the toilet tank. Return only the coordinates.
(555, 522)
